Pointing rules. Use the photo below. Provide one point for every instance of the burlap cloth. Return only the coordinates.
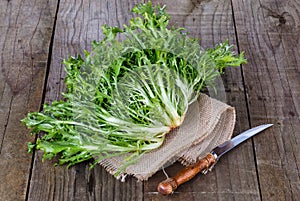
(208, 123)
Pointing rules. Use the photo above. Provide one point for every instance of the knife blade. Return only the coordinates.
(205, 164)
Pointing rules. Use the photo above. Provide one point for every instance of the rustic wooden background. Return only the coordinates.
(36, 35)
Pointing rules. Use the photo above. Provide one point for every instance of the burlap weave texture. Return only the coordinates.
(208, 123)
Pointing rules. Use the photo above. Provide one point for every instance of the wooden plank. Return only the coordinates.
(79, 23)
(234, 177)
(25, 34)
(269, 32)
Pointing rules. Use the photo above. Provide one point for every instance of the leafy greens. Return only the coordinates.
(126, 95)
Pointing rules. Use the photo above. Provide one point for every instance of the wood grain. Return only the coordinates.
(78, 24)
(266, 90)
(25, 34)
(234, 176)
(168, 186)
(269, 32)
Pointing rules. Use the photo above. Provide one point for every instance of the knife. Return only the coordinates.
(206, 164)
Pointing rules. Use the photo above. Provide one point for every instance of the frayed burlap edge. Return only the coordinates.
(208, 123)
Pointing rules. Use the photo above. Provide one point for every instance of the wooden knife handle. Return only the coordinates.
(167, 186)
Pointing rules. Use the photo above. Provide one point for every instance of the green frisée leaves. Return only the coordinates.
(125, 95)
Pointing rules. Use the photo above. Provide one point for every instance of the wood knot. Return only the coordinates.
(282, 20)
(279, 21)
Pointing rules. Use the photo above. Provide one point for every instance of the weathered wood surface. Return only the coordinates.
(25, 35)
(269, 32)
(212, 22)
(266, 90)
(77, 25)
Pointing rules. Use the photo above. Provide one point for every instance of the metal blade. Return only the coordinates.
(230, 144)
